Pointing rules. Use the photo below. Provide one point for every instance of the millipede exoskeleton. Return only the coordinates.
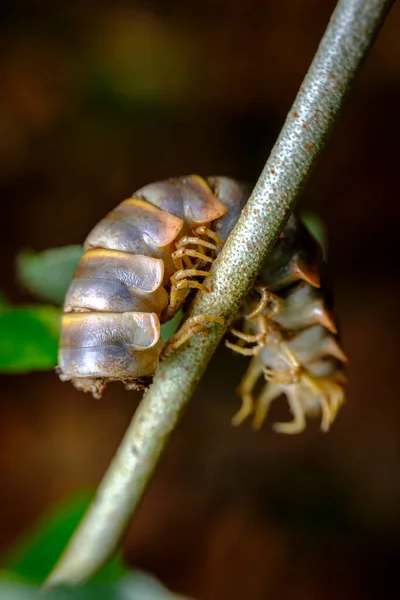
(145, 257)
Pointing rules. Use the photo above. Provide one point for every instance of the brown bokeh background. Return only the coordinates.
(99, 98)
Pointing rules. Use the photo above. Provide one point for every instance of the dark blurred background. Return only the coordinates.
(100, 98)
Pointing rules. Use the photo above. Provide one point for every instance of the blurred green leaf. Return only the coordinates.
(37, 552)
(316, 227)
(133, 586)
(48, 274)
(28, 338)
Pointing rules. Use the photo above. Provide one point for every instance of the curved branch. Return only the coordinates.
(351, 32)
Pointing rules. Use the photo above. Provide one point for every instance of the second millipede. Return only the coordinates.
(147, 255)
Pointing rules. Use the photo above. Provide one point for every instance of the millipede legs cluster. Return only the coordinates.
(259, 317)
(305, 393)
(327, 394)
(182, 282)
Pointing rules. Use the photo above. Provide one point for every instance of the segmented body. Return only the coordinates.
(142, 260)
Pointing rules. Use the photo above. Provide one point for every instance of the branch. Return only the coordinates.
(350, 34)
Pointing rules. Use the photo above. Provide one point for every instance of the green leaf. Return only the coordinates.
(37, 552)
(48, 274)
(28, 338)
(135, 585)
(19, 590)
(316, 227)
(170, 327)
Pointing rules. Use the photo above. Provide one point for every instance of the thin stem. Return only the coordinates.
(350, 33)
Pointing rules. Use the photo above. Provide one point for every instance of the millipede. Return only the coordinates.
(150, 253)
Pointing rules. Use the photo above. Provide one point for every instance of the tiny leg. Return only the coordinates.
(188, 239)
(288, 376)
(203, 230)
(266, 297)
(258, 339)
(299, 422)
(269, 392)
(180, 286)
(254, 351)
(247, 337)
(329, 396)
(183, 252)
(332, 397)
(337, 399)
(327, 413)
(245, 390)
(200, 253)
(191, 327)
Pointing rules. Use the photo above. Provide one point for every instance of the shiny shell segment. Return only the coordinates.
(136, 227)
(189, 198)
(109, 345)
(113, 281)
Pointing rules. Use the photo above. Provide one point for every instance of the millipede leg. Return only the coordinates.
(245, 390)
(327, 414)
(247, 337)
(196, 241)
(199, 253)
(188, 263)
(181, 337)
(269, 392)
(296, 406)
(287, 376)
(182, 252)
(337, 399)
(266, 298)
(330, 396)
(203, 230)
(191, 327)
(185, 283)
(254, 351)
(262, 305)
(178, 294)
(178, 262)
(258, 339)
(186, 273)
(180, 285)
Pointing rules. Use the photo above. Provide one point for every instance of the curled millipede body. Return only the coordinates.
(143, 260)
